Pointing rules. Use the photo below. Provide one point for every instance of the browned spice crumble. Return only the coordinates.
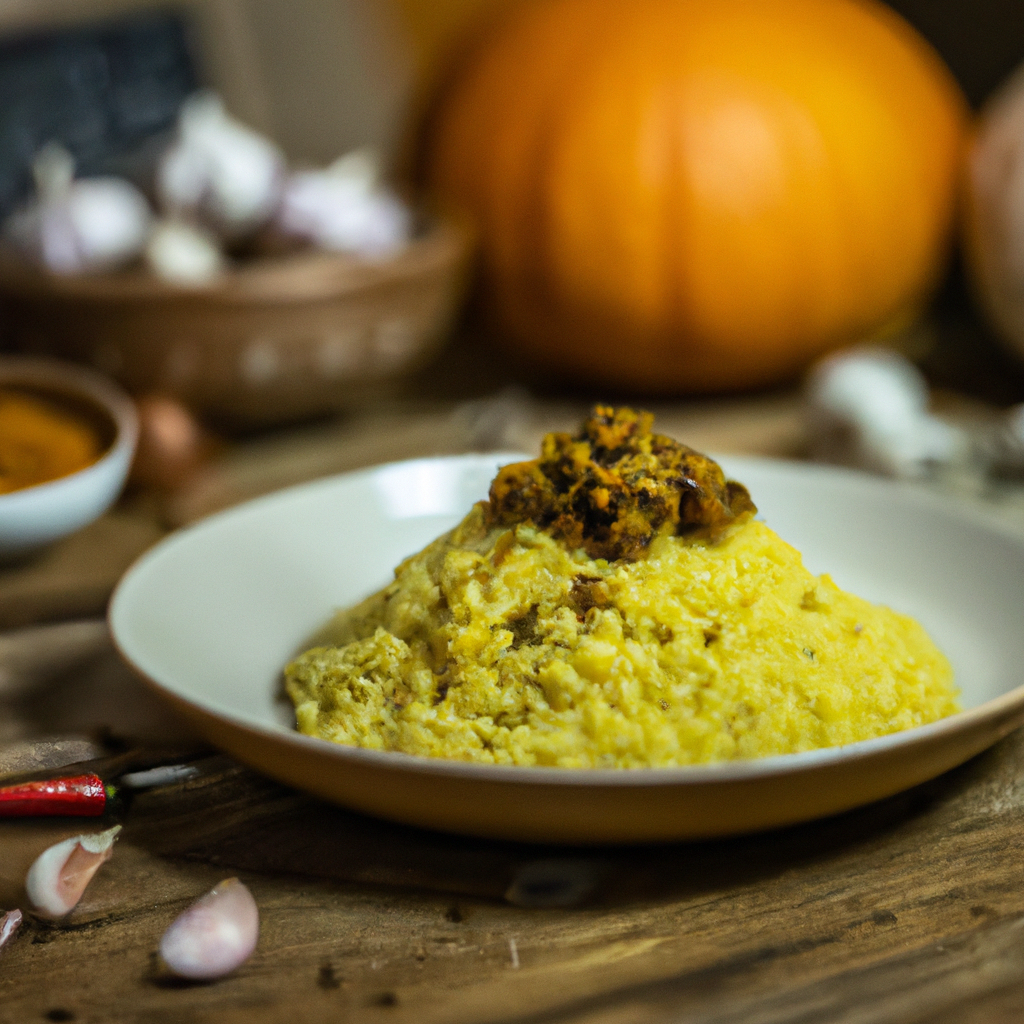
(613, 486)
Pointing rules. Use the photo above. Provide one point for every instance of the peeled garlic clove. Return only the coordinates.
(60, 874)
(870, 385)
(183, 254)
(215, 935)
(9, 925)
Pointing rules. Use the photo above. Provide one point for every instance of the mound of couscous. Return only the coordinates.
(615, 604)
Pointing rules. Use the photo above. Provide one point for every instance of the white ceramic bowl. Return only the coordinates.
(35, 516)
(210, 616)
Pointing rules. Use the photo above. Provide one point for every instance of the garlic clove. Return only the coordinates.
(112, 220)
(868, 407)
(60, 874)
(183, 254)
(9, 925)
(215, 935)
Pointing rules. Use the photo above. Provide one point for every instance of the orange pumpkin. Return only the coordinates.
(688, 195)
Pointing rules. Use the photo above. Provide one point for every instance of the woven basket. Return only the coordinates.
(274, 340)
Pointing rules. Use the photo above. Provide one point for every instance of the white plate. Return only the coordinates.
(210, 616)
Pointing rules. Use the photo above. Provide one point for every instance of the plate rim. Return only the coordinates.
(720, 772)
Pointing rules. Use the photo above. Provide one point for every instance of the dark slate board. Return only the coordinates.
(102, 90)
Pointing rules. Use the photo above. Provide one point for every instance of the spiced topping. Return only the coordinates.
(612, 487)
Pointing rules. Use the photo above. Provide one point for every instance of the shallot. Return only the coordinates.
(60, 874)
(172, 443)
(215, 935)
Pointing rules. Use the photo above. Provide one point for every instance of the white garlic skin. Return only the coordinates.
(218, 170)
(59, 875)
(215, 935)
(183, 254)
(994, 235)
(79, 226)
(868, 407)
(9, 925)
(344, 208)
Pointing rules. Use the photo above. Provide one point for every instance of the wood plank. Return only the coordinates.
(817, 918)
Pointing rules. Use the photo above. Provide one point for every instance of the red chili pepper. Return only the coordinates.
(81, 796)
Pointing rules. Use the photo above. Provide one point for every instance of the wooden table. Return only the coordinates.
(909, 910)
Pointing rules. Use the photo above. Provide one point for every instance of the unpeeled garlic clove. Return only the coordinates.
(183, 254)
(60, 874)
(868, 407)
(215, 935)
(9, 925)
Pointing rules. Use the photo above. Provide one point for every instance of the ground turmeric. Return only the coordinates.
(41, 441)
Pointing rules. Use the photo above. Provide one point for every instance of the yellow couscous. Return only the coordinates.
(637, 639)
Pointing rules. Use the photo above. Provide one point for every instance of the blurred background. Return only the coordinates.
(348, 231)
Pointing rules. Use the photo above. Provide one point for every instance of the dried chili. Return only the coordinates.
(86, 796)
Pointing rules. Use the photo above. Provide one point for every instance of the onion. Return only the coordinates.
(183, 253)
(995, 211)
(60, 874)
(215, 935)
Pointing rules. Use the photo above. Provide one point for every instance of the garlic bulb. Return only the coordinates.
(76, 226)
(183, 254)
(868, 407)
(219, 170)
(215, 935)
(345, 208)
(60, 874)
(994, 242)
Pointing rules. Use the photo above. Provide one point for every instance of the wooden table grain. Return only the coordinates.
(904, 912)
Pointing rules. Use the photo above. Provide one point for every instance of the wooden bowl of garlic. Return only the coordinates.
(252, 292)
(268, 340)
